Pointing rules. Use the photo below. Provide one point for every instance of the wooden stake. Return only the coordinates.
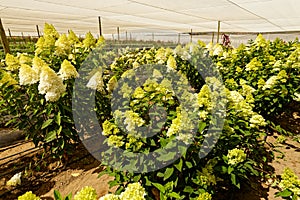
(126, 36)
(213, 37)
(4, 40)
(118, 32)
(100, 25)
(9, 32)
(38, 31)
(191, 40)
(218, 36)
(178, 38)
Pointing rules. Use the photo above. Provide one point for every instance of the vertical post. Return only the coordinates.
(126, 36)
(178, 38)
(4, 40)
(100, 25)
(113, 36)
(23, 38)
(218, 36)
(191, 40)
(38, 31)
(118, 32)
(9, 32)
(213, 37)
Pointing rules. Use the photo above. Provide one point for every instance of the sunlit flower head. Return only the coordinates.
(11, 62)
(50, 84)
(89, 40)
(236, 156)
(96, 81)
(62, 45)
(6, 78)
(67, 70)
(23, 59)
(27, 75)
(86, 193)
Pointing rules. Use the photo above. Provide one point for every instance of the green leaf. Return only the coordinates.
(57, 195)
(188, 189)
(159, 187)
(175, 195)
(58, 118)
(47, 123)
(50, 136)
(159, 174)
(235, 181)
(179, 165)
(189, 164)
(284, 193)
(230, 169)
(69, 197)
(202, 126)
(168, 173)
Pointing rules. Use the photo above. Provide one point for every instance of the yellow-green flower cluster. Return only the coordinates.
(138, 93)
(109, 128)
(89, 41)
(112, 84)
(6, 78)
(231, 83)
(63, 46)
(27, 75)
(204, 98)
(254, 65)
(73, 39)
(132, 120)
(171, 62)
(236, 156)
(28, 196)
(204, 196)
(48, 40)
(217, 50)
(50, 84)
(115, 140)
(294, 59)
(257, 120)
(67, 70)
(182, 126)
(96, 81)
(23, 59)
(260, 41)
(38, 64)
(290, 181)
(273, 80)
(134, 191)
(162, 55)
(86, 193)
(133, 142)
(239, 104)
(11, 62)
